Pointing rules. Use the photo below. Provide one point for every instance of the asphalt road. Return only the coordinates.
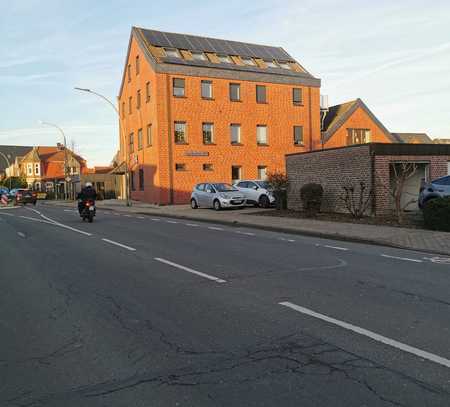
(139, 311)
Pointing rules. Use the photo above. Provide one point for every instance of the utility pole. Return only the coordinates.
(122, 137)
(65, 153)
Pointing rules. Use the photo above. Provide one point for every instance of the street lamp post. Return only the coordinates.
(9, 165)
(122, 137)
(65, 152)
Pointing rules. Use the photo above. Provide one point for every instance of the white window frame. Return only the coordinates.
(262, 176)
(238, 127)
(261, 134)
(37, 169)
(29, 169)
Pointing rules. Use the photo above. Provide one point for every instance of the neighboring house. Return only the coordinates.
(352, 123)
(13, 155)
(104, 181)
(43, 168)
(413, 138)
(441, 141)
(196, 109)
(370, 163)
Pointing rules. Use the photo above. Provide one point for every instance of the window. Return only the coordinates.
(235, 92)
(442, 181)
(137, 65)
(29, 169)
(298, 135)
(172, 52)
(243, 184)
(130, 107)
(141, 179)
(178, 87)
(262, 172)
(358, 136)
(180, 132)
(200, 187)
(261, 134)
(37, 169)
(140, 139)
(206, 88)
(123, 110)
(131, 143)
(147, 92)
(248, 61)
(261, 94)
(208, 167)
(129, 73)
(138, 99)
(208, 133)
(235, 133)
(284, 65)
(198, 56)
(297, 98)
(149, 135)
(180, 167)
(225, 59)
(271, 64)
(235, 173)
(37, 186)
(133, 187)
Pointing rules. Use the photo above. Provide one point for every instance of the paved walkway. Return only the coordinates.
(415, 239)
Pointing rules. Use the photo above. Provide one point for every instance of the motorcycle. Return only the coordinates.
(88, 211)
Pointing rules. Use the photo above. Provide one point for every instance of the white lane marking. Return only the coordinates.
(141, 217)
(21, 234)
(401, 258)
(194, 225)
(189, 270)
(372, 335)
(438, 260)
(335, 247)
(56, 223)
(36, 220)
(285, 240)
(214, 228)
(245, 233)
(127, 216)
(171, 221)
(6, 214)
(69, 210)
(155, 219)
(131, 249)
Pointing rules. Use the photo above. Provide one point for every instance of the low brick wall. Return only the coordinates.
(332, 169)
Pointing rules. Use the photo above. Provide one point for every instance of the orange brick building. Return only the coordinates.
(197, 109)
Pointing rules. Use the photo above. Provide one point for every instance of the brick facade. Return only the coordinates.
(162, 183)
(370, 163)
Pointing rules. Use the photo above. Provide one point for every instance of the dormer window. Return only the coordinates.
(284, 65)
(198, 56)
(172, 53)
(225, 59)
(37, 169)
(271, 64)
(29, 169)
(248, 61)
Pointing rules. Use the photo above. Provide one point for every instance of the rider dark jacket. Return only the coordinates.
(86, 194)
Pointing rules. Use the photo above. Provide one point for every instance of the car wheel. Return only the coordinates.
(217, 206)
(194, 204)
(264, 201)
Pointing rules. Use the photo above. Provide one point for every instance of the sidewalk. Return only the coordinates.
(414, 239)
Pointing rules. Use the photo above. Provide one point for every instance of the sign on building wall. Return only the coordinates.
(196, 154)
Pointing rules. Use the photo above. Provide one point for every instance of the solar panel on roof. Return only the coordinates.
(199, 44)
(178, 41)
(157, 38)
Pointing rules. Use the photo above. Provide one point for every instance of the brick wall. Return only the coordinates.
(330, 168)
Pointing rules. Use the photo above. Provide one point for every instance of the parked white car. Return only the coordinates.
(257, 192)
(216, 195)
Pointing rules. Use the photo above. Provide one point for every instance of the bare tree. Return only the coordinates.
(401, 172)
(357, 198)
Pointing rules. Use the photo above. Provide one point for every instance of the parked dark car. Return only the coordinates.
(435, 189)
(23, 196)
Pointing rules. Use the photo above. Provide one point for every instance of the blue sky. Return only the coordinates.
(393, 55)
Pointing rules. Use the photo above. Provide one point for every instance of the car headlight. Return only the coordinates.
(223, 196)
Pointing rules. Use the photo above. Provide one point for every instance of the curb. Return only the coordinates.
(299, 232)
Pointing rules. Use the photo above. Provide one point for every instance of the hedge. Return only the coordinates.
(436, 214)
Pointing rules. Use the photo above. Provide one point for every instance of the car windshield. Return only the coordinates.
(263, 184)
(224, 187)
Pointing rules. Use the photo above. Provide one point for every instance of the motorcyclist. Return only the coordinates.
(88, 193)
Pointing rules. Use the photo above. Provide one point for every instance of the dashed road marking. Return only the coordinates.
(193, 225)
(155, 219)
(171, 221)
(401, 258)
(21, 234)
(189, 270)
(214, 228)
(245, 233)
(335, 247)
(283, 239)
(141, 217)
(131, 249)
(372, 335)
(127, 216)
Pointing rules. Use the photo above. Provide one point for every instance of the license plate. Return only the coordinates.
(237, 202)
(91, 208)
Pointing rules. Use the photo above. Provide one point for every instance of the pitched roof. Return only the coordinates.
(337, 115)
(12, 152)
(413, 138)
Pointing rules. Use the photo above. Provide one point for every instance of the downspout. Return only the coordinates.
(310, 120)
(169, 139)
(373, 181)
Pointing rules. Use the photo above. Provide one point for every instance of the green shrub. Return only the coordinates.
(311, 195)
(278, 182)
(436, 214)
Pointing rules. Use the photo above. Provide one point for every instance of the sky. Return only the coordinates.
(394, 55)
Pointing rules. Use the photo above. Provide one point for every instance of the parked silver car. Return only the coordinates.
(435, 189)
(216, 195)
(256, 192)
